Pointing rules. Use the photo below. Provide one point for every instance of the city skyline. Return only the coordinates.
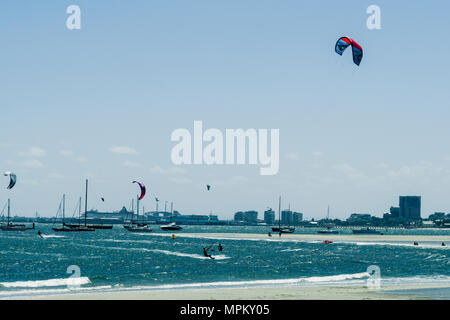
(100, 103)
(409, 207)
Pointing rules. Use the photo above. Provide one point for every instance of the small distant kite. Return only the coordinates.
(12, 179)
(103, 199)
(357, 50)
(141, 185)
(208, 187)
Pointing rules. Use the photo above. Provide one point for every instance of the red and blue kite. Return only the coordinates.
(357, 50)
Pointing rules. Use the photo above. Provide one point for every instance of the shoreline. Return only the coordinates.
(283, 289)
(350, 238)
(391, 292)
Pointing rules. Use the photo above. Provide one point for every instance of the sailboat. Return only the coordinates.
(328, 230)
(79, 225)
(64, 227)
(13, 227)
(93, 226)
(136, 226)
(172, 226)
(75, 227)
(280, 229)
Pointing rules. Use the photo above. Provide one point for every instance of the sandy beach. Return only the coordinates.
(406, 239)
(260, 293)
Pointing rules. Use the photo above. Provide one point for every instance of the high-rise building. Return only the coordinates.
(239, 216)
(247, 216)
(410, 207)
(286, 217)
(269, 216)
(297, 217)
(251, 216)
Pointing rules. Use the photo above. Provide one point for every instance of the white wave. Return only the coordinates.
(189, 255)
(272, 282)
(340, 277)
(437, 279)
(45, 236)
(128, 241)
(172, 253)
(357, 279)
(46, 283)
(24, 293)
(437, 245)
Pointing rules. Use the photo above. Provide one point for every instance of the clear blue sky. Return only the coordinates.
(354, 138)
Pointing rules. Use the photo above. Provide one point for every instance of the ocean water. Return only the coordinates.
(120, 260)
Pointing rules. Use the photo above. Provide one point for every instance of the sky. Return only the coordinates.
(101, 103)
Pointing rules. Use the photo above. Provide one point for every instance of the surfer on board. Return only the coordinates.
(205, 253)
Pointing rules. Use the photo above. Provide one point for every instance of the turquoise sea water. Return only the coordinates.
(117, 259)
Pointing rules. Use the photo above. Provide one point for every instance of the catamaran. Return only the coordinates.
(11, 226)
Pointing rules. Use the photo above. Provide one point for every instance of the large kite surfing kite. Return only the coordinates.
(12, 179)
(357, 50)
(141, 185)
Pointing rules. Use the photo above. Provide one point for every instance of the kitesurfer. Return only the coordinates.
(205, 253)
(40, 234)
(219, 247)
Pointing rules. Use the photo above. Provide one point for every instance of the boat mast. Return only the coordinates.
(279, 212)
(79, 212)
(137, 207)
(290, 216)
(64, 207)
(85, 204)
(9, 208)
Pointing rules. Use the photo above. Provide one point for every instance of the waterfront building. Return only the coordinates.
(297, 218)
(269, 216)
(410, 207)
(359, 218)
(286, 217)
(247, 216)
